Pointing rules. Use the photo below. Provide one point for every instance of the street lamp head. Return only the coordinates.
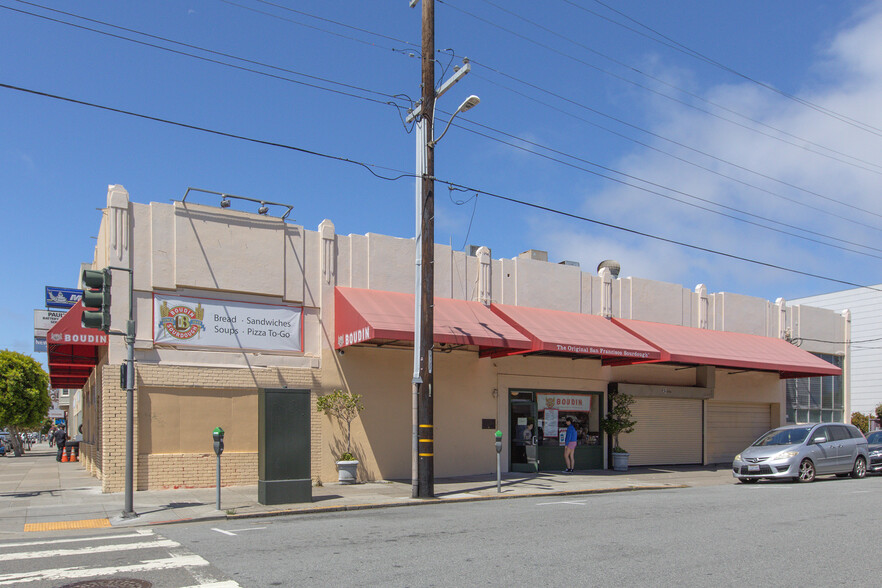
(469, 103)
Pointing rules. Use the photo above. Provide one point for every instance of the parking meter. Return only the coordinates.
(218, 435)
(498, 461)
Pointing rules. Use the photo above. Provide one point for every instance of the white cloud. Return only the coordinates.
(855, 55)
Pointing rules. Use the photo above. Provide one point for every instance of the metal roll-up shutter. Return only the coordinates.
(732, 426)
(668, 431)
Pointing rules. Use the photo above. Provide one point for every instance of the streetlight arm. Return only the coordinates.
(467, 104)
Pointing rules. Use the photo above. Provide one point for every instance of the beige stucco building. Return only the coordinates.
(228, 302)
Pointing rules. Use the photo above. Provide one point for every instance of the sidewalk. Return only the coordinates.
(38, 493)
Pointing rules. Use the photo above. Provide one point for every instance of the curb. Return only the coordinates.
(427, 501)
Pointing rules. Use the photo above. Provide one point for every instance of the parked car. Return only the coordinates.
(874, 440)
(801, 452)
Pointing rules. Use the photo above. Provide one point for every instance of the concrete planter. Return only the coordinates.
(620, 461)
(347, 471)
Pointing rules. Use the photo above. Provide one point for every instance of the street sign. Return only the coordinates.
(62, 297)
(39, 344)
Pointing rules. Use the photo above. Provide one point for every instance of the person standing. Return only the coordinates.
(570, 446)
(60, 438)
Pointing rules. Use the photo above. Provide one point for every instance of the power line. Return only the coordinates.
(694, 95)
(653, 91)
(667, 153)
(370, 168)
(541, 146)
(685, 146)
(227, 55)
(207, 59)
(663, 187)
(676, 45)
(501, 73)
(650, 235)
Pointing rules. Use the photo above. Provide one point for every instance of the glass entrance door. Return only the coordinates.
(524, 436)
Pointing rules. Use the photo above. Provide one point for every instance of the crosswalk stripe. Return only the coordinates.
(88, 550)
(138, 533)
(58, 574)
(222, 584)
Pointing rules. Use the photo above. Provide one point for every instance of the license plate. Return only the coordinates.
(753, 468)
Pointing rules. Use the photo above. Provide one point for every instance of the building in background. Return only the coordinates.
(228, 303)
(865, 308)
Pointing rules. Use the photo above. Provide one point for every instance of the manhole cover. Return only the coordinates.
(111, 583)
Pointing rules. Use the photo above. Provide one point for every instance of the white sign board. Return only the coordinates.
(44, 319)
(55, 413)
(203, 322)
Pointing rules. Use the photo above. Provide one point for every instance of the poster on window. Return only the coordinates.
(203, 322)
(550, 428)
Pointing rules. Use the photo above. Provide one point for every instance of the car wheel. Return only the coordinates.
(806, 471)
(860, 468)
(748, 480)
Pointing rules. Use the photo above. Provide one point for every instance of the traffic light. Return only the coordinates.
(96, 299)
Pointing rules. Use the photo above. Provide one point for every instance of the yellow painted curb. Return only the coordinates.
(66, 525)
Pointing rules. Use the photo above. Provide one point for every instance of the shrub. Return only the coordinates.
(619, 419)
(345, 407)
(861, 421)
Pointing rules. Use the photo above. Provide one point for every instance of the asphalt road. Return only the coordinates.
(785, 534)
(781, 534)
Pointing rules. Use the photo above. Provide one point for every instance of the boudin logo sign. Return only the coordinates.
(565, 402)
(353, 337)
(228, 324)
(181, 322)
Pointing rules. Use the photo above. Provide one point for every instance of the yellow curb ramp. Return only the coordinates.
(67, 525)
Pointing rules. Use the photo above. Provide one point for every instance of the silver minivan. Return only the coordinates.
(801, 452)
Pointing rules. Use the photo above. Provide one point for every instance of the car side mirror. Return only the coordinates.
(819, 440)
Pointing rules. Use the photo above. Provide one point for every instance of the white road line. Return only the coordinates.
(138, 533)
(237, 530)
(580, 503)
(89, 550)
(222, 584)
(59, 574)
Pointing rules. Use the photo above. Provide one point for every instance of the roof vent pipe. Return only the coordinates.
(612, 265)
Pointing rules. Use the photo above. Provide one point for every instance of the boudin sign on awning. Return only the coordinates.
(203, 322)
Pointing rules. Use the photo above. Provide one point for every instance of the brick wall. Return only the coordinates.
(157, 471)
(161, 471)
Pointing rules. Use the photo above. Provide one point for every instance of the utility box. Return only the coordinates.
(284, 448)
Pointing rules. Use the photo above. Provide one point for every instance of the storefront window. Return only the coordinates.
(554, 408)
(818, 399)
(538, 426)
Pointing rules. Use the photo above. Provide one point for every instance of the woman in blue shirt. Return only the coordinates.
(570, 446)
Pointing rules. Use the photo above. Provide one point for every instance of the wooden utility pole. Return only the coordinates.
(426, 463)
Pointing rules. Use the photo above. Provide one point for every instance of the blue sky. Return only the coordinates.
(634, 114)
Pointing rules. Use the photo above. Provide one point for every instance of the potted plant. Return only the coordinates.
(343, 406)
(619, 420)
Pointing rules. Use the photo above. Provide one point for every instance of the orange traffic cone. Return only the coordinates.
(73, 457)
(64, 457)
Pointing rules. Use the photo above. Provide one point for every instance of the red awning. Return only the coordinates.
(733, 350)
(576, 333)
(72, 350)
(377, 316)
